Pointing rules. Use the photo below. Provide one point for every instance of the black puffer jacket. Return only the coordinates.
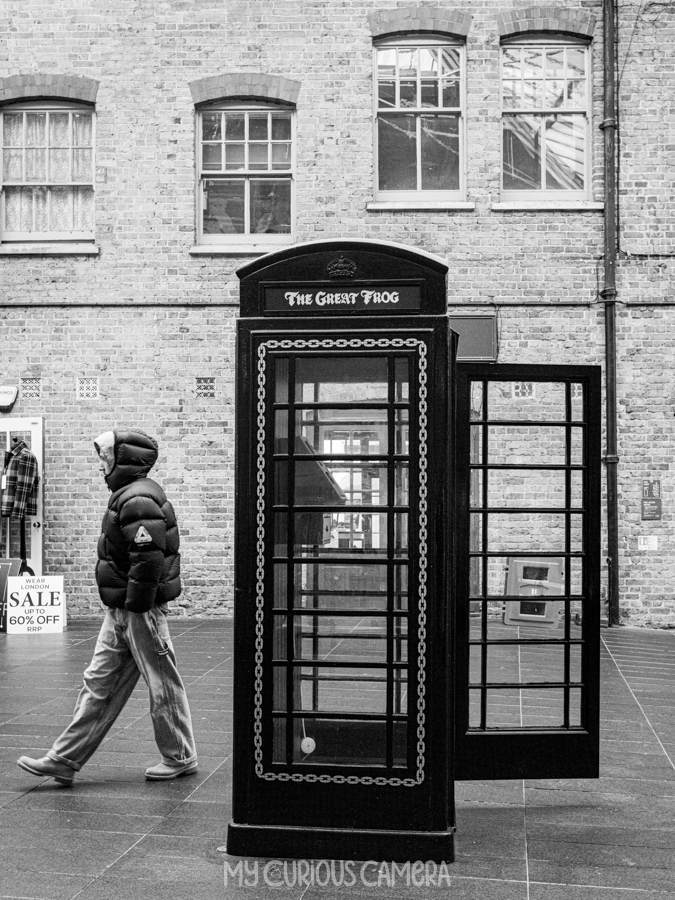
(138, 560)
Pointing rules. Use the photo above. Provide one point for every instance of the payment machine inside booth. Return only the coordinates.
(356, 558)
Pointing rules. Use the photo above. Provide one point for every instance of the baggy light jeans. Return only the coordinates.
(130, 645)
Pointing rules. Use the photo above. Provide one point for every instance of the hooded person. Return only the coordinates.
(138, 574)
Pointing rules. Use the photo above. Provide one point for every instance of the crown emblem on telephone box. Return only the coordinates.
(341, 268)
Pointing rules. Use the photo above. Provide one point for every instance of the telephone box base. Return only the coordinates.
(292, 842)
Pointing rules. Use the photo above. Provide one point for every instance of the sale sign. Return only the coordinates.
(35, 605)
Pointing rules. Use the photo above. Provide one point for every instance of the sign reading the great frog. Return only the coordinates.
(343, 299)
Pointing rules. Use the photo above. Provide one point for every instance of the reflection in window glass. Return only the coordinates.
(545, 114)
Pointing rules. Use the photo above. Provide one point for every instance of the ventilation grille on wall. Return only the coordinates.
(87, 388)
(523, 389)
(31, 388)
(206, 388)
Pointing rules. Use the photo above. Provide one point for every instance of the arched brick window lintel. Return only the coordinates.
(36, 86)
(245, 86)
(387, 23)
(546, 20)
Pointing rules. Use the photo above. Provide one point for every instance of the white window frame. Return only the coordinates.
(34, 237)
(417, 197)
(543, 195)
(250, 240)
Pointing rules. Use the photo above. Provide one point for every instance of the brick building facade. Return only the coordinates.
(138, 290)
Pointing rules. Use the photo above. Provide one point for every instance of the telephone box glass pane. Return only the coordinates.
(340, 530)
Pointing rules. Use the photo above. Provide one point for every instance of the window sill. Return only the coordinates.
(49, 248)
(431, 205)
(251, 249)
(547, 205)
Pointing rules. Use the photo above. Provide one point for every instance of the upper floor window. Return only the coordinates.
(47, 172)
(246, 174)
(545, 119)
(419, 120)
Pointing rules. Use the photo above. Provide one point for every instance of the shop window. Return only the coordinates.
(419, 120)
(47, 172)
(545, 119)
(246, 174)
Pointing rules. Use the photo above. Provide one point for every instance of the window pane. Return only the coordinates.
(450, 63)
(224, 207)
(36, 165)
(212, 156)
(533, 94)
(408, 94)
(281, 156)
(26, 209)
(511, 94)
(576, 62)
(235, 126)
(386, 93)
(407, 62)
(235, 156)
(82, 132)
(12, 209)
(82, 165)
(12, 165)
(59, 165)
(532, 62)
(565, 153)
(430, 94)
(576, 95)
(211, 127)
(36, 125)
(41, 215)
(12, 130)
(84, 209)
(450, 93)
(257, 127)
(386, 63)
(397, 153)
(522, 153)
(428, 63)
(555, 94)
(271, 207)
(61, 209)
(281, 128)
(257, 156)
(440, 153)
(59, 130)
(554, 63)
(511, 67)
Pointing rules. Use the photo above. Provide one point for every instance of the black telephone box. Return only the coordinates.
(342, 713)
(384, 494)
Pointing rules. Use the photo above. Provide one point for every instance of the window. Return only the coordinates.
(47, 172)
(545, 119)
(419, 120)
(246, 166)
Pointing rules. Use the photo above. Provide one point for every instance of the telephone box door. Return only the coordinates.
(527, 656)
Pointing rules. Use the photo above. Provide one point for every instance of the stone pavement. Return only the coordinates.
(114, 836)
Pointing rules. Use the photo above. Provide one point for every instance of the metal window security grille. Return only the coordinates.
(206, 388)
(332, 659)
(87, 388)
(529, 665)
(31, 388)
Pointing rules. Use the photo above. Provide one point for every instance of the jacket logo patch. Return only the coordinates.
(142, 536)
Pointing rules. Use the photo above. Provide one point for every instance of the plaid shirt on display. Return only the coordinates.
(19, 498)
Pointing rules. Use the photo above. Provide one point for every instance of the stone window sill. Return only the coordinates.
(547, 206)
(236, 249)
(49, 249)
(412, 205)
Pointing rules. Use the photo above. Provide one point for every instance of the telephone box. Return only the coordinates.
(342, 709)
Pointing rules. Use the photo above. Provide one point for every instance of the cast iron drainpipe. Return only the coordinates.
(608, 294)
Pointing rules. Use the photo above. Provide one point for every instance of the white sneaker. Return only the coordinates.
(162, 772)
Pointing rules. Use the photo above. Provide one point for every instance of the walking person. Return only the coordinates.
(138, 573)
